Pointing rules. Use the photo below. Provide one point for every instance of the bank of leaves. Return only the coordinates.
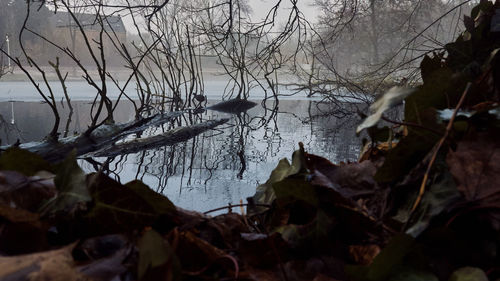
(421, 205)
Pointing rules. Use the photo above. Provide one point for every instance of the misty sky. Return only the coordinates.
(261, 7)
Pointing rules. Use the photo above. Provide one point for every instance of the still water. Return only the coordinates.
(214, 169)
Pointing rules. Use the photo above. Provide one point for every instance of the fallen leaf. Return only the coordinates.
(222, 231)
(265, 193)
(385, 262)
(199, 258)
(56, 265)
(22, 161)
(468, 274)
(109, 268)
(262, 250)
(363, 254)
(19, 191)
(411, 274)
(350, 180)
(103, 246)
(71, 185)
(134, 208)
(394, 96)
(157, 259)
(475, 166)
(21, 231)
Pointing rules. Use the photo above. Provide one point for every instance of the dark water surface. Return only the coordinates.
(215, 168)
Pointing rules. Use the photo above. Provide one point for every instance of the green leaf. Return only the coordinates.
(71, 184)
(437, 198)
(116, 207)
(23, 161)
(160, 203)
(156, 257)
(289, 190)
(483, 6)
(311, 236)
(265, 193)
(468, 274)
(410, 274)
(394, 96)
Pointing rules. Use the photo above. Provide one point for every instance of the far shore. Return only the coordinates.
(120, 74)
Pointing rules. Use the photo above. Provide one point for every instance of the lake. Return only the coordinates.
(214, 169)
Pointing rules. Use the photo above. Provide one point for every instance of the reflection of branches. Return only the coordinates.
(242, 137)
(104, 166)
(8, 128)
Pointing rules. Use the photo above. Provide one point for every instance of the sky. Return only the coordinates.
(260, 8)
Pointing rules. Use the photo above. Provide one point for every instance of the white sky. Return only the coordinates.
(261, 8)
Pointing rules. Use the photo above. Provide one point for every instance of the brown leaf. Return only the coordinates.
(315, 268)
(352, 181)
(475, 166)
(223, 230)
(322, 277)
(102, 246)
(349, 179)
(262, 250)
(19, 215)
(17, 190)
(106, 268)
(56, 265)
(376, 153)
(198, 256)
(303, 269)
(258, 274)
(22, 231)
(363, 254)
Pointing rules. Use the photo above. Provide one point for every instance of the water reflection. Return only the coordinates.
(215, 168)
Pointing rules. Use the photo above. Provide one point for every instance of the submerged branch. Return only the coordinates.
(170, 137)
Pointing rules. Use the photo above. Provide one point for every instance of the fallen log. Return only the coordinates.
(171, 137)
(104, 137)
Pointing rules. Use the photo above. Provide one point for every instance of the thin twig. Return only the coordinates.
(438, 147)
(415, 125)
(230, 206)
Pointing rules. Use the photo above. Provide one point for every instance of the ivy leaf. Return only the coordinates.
(157, 260)
(161, 204)
(23, 161)
(265, 193)
(120, 207)
(71, 185)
